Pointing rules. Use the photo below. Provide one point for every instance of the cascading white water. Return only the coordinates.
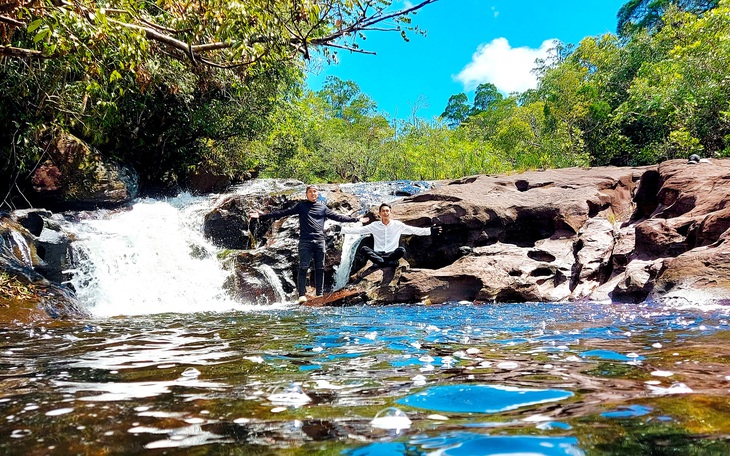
(154, 258)
(20, 248)
(349, 247)
(150, 259)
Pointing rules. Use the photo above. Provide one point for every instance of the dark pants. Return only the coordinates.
(310, 250)
(384, 258)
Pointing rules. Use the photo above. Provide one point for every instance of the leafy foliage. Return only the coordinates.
(638, 15)
(175, 88)
(171, 87)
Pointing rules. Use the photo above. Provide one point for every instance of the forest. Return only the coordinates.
(172, 87)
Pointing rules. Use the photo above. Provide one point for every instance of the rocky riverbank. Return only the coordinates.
(604, 234)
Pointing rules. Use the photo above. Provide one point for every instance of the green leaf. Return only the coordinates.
(34, 25)
(114, 76)
(41, 35)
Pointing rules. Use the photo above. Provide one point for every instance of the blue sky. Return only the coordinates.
(468, 42)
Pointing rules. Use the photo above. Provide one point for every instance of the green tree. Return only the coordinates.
(170, 87)
(345, 100)
(684, 94)
(647, 14)
(457, 110)
(486, 96)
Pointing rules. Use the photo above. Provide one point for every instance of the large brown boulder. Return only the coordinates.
(74, 176)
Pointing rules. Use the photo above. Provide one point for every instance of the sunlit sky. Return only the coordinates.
(468, 42)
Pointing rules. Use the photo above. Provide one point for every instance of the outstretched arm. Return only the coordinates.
(273, 214)
(349, 229)
(434, 230)
(330, 214)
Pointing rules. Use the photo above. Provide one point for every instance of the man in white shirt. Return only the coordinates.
(386, 233)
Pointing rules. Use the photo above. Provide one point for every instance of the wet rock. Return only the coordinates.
(32, 271)
(271, 246)
(77, 177)
(620, 234)
(228, 224)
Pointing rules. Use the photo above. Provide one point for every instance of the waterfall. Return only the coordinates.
(20, 248)
(153, 258)
(274, 281)
(150, 259)
(349, 247)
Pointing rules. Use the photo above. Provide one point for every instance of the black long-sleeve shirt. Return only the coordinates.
(311, 218)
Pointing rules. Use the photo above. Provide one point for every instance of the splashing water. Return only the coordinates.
(150, 259)
(20, 248)
(349, 247)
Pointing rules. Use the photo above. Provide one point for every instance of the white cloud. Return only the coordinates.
(508, 68)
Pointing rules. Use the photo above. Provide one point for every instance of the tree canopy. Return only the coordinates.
(647, 14)
(656, 92)
(171, 87)
(211, 32)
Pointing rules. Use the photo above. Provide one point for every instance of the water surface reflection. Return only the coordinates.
(217, 382)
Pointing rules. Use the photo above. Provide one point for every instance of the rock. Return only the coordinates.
(77, 177)
(35, 264)
(619, 234)
(228, 226)
(207, 181)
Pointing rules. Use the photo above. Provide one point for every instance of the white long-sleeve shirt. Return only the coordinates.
(386, 237)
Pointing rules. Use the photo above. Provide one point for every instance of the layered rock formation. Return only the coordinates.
(604, 234)
(618, 234)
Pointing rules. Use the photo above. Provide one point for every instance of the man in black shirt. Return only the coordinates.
(312, 215)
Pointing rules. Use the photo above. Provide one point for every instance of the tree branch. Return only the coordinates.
(11, 21)
(10, 51)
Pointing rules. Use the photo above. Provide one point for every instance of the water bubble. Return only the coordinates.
(20, 433)
(662, 373)
(508, 365)
(61, 411)
(254, 359)
(190, 373)
(292, 395)
(391, 418)
(676, 388)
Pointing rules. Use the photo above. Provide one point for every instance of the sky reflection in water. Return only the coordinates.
(212, 379)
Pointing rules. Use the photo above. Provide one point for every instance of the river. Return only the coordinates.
(169, 365)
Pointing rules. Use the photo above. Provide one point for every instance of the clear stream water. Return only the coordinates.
(168, 365)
